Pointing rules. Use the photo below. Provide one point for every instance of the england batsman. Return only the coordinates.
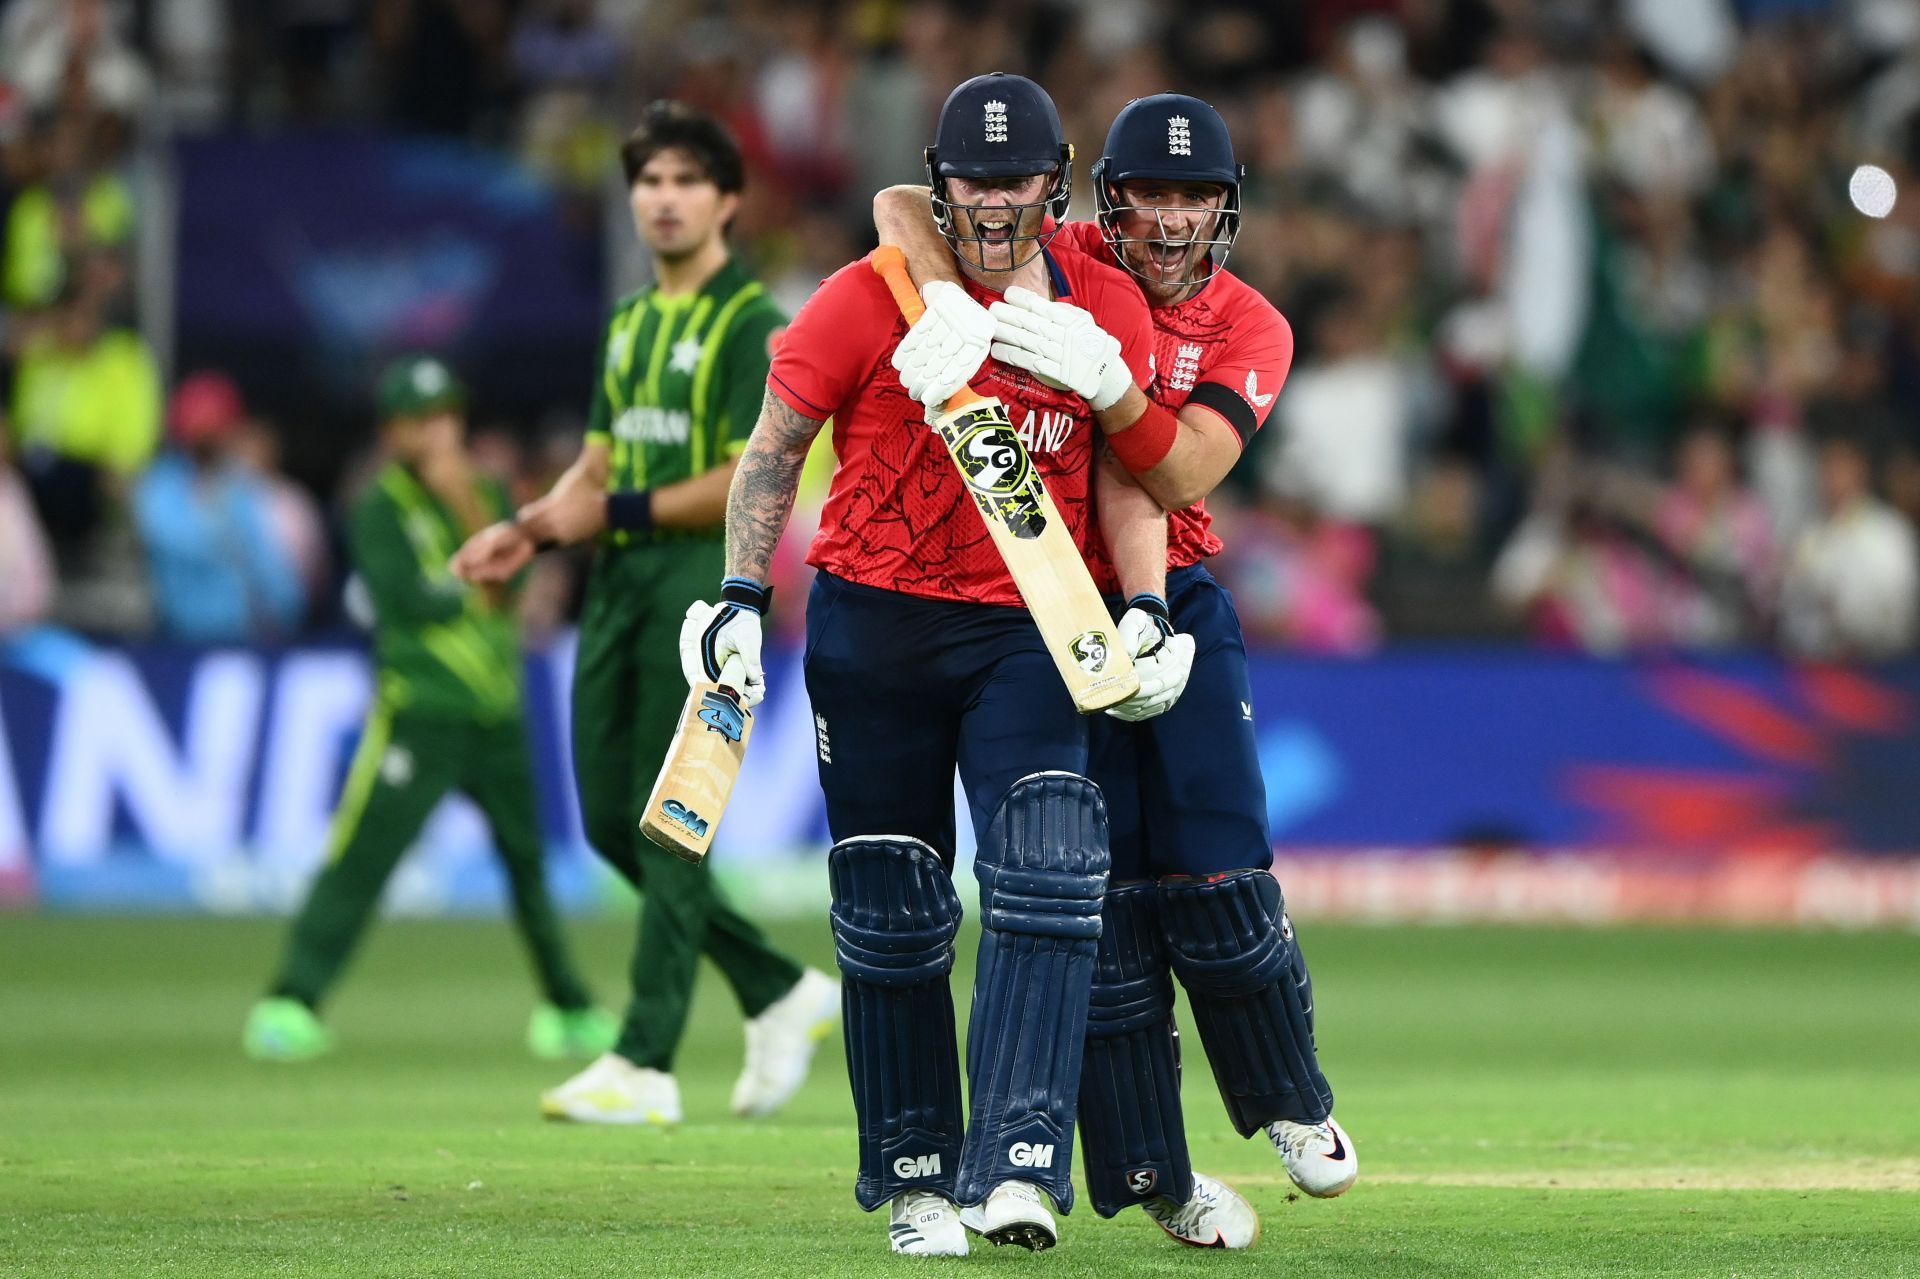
(676, 389)
(920, 658)
(446, 716)
(1190, 887)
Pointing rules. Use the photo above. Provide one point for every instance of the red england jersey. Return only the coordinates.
(1226, 349)
(897, 516)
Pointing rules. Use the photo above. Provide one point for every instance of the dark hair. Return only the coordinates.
(669, 125)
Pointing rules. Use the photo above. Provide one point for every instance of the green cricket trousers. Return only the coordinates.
(405, 764)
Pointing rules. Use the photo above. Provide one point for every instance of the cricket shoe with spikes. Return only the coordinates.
(615, 1091)
(1214, 1216)
(1013, 1212)
(924, 1223)
(781, 1042)
(1319, 1157)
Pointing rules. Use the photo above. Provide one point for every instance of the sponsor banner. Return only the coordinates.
(1596, 888)
(153, 778)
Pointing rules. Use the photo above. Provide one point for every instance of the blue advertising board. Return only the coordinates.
(158, 778)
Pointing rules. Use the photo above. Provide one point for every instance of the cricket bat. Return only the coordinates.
(703, 762)
(1027, 529)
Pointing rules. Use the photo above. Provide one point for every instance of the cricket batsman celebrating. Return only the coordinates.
(920, 658)
(1190, 888)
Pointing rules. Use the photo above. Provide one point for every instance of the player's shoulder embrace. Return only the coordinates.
(1103, 288)
(1242, 304)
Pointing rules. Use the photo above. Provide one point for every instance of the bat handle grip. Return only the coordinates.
(890, 264)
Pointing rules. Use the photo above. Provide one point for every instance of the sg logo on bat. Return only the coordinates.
(1090, 651)
(989, 453)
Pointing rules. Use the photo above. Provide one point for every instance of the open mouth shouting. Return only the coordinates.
(994, 228)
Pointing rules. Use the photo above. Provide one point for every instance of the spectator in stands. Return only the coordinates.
(1725, 567)
(86, 411)
(294, 518)
(566, 61)
(71, 209)
(52, 49)
(220, 576)
(1852, 583)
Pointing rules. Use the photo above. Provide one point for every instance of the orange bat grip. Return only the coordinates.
(890, 264)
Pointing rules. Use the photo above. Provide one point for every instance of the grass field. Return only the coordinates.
(1632, 1103)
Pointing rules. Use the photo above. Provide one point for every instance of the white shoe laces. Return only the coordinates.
(1295, 1140)
(1187, 1218)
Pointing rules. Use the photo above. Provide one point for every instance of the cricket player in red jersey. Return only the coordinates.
(920, 658)
(1190, 838)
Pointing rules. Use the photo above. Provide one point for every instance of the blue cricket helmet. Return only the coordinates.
(1171, 137)
(999, 126)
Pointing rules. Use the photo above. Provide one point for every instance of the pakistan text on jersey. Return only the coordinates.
(648, 424)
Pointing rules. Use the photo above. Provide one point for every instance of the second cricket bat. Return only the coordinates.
(691, 793)
(1027, 529)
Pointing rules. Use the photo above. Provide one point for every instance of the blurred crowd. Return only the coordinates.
(1597, 341)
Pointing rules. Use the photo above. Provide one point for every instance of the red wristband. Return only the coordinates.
(1143, 446)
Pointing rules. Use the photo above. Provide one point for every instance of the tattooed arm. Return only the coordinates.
(761, 497)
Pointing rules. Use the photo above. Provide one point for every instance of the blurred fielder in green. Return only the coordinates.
(446, 716)
(677, 388)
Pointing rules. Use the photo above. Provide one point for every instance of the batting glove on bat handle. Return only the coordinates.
(945, 347)
(1162, 658)
(724, 639)
(1061, 345)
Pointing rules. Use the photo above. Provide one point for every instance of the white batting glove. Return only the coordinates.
(721, 642)
(1162, 658)
(945, 347)
(1061, 345)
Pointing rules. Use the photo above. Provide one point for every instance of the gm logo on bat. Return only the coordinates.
(723, 715)
(679, 812)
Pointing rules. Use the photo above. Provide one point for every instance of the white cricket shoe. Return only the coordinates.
(926, 1224)
(1014, 1212)
(1216, 1216)
(781, 1041)
(1319, 1157)
(615, 1091)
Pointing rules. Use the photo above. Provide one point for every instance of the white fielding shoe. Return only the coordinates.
(1215, 1217)
(1014, 1212)
(924, 1223)
(781, 1041)
(615, 1091)
(1319, 1157)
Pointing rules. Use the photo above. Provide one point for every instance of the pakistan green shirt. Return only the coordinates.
(442, 649)
(680, 383)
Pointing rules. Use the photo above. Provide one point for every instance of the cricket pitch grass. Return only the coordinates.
(1523, 1103)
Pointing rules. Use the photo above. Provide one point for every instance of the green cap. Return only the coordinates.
(418, 384)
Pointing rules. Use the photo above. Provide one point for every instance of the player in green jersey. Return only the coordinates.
(677, 388)
(446, 716)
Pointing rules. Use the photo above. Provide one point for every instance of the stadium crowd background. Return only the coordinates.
(1592, 345)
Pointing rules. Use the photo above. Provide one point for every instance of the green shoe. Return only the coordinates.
(284, 1030)
(579, 1033)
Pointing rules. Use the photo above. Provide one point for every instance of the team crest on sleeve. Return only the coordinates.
(1179, 135)
(996, 120)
